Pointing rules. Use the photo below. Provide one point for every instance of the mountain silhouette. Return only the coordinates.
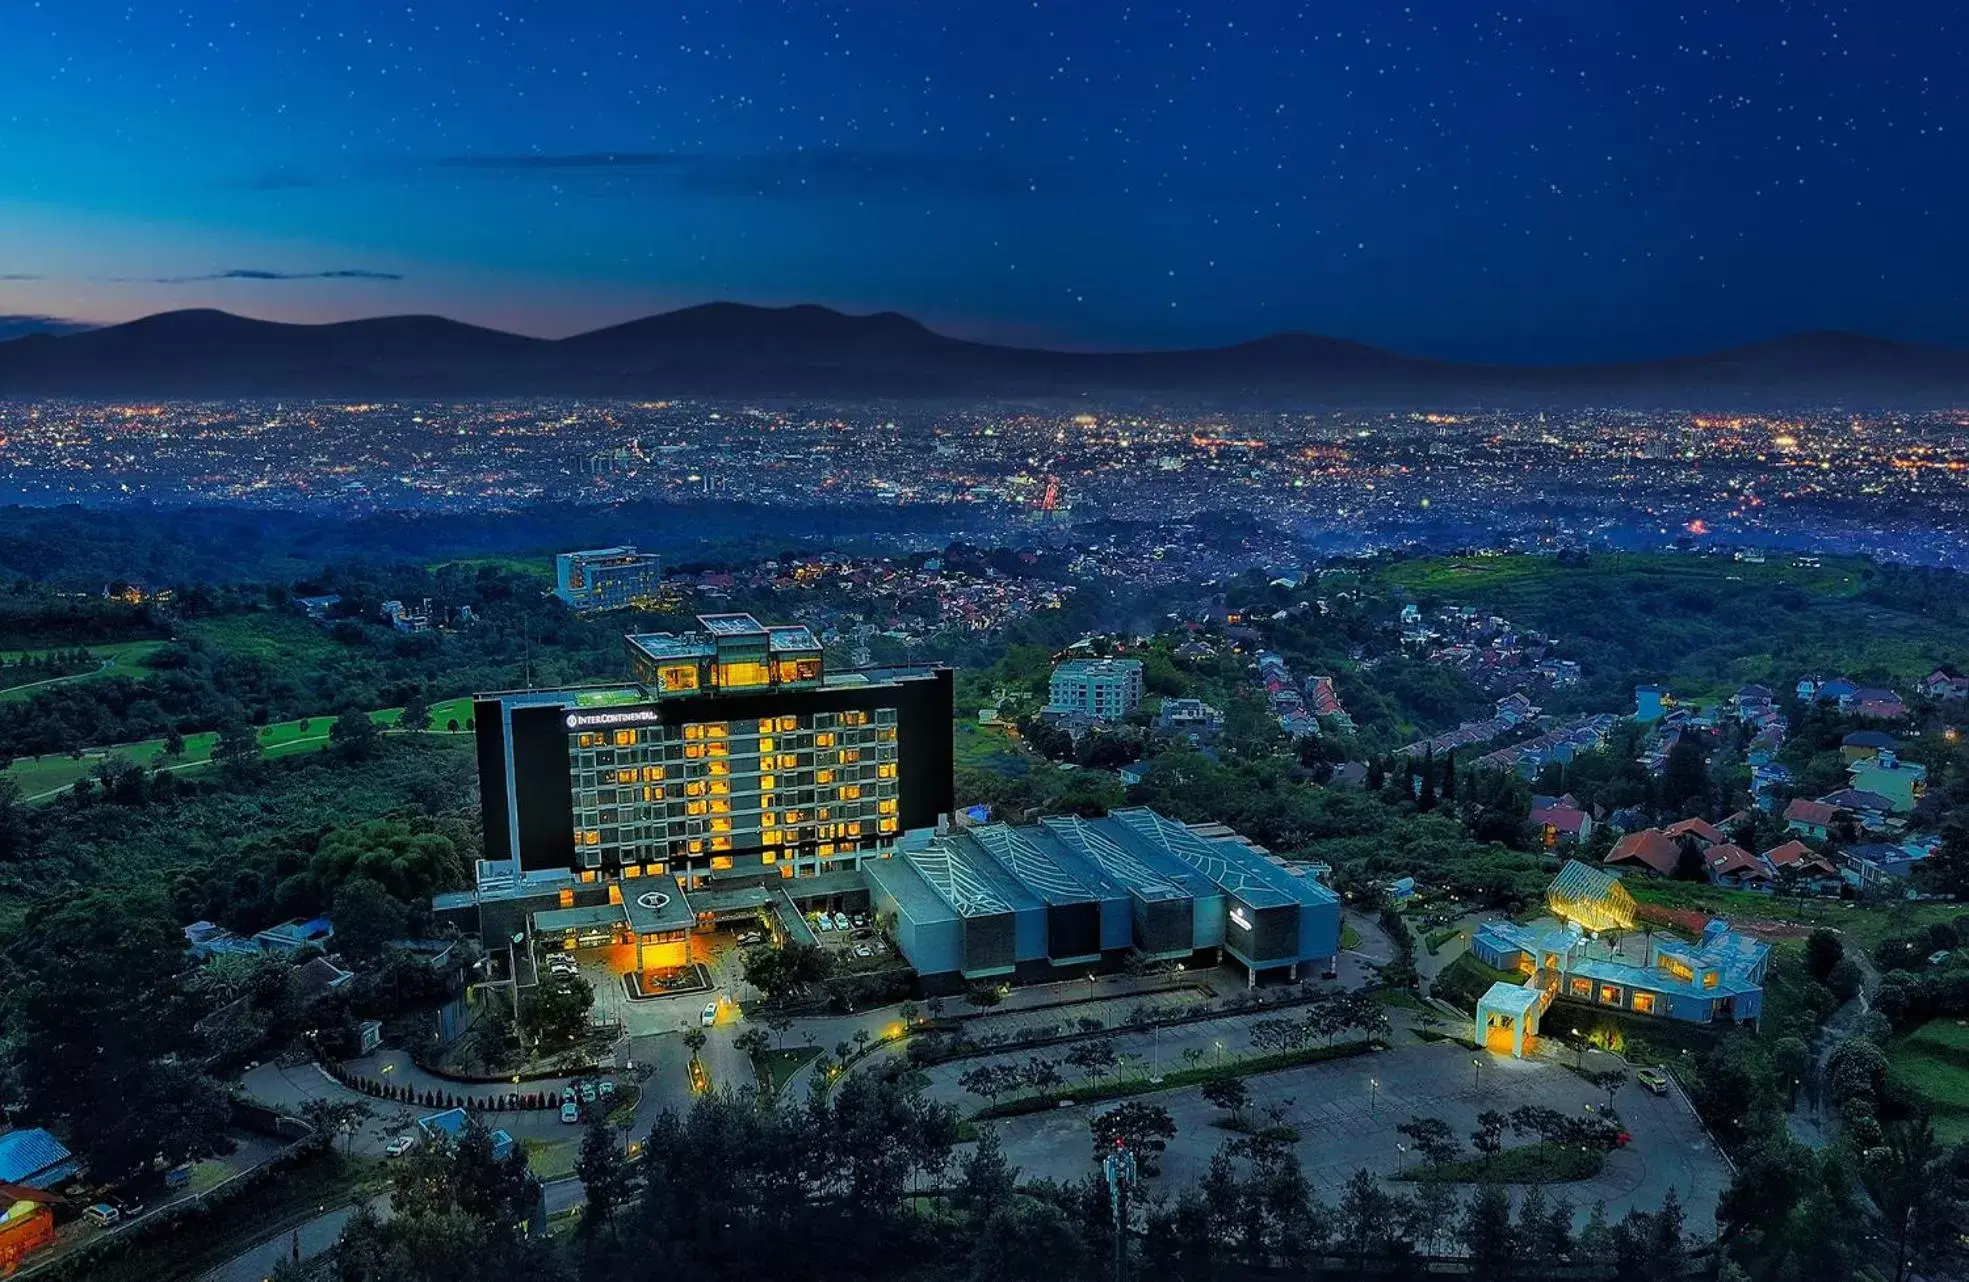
(733, 349)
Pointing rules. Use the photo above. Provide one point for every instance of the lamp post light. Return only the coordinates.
(1373, 1095)
(1579, 1045)
(1476, 1072)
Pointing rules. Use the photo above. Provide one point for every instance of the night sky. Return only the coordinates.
(1518, 181)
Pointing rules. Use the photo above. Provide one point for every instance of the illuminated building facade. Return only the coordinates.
(1104, 689)
(735, 756)
(607, 578)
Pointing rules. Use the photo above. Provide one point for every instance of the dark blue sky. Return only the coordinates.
(1519, 181)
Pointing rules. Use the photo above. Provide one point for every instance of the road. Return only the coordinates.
(1809, 1122)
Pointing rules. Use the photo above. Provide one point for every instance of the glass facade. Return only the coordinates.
(789, 791)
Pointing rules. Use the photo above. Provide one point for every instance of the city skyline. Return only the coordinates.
(1533, 186)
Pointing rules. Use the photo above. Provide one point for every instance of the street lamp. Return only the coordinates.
(1476, 1071)
(1373, 1094)
(1579, 1045)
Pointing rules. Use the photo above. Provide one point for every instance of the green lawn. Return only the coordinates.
(991, 748)
(41, 779)
(1862, 924)
(278, 638)
(777, 1067)
(1933, 1062)
(124, 658)
(551, 1159)
(539, 567)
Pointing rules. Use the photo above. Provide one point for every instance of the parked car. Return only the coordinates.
(102, 1215)
(606, 1088)
(863, 950)
(399, 1146)
(710, 1017)
(861, 919)
(570, 1113)
(588, 1095)
(748, 938)
(568, 1095)
(1654, 1079)
(841, 922)
(562, 964)
(823, 922)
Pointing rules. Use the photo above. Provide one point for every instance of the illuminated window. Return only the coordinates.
(789, 670)
(695, 847)
(590, 740)
(657, 870)
(825, 739)
(614, 893)
(693, 807)
(1709, 979)
(767, 783)
(591, 838)
(694, 731)
(625, 738)
(823, 776)
(588, 876)
(786, 870)
(770, 837)
(694, 751)
(695, 788)
(672, 677)
(886, 806)
(567, 899)
(887, 734)
(652, 773)
(854, 829)
(788, 723)
(721, 825)
(717, 750)
(796, 816)
(767, 819)
(888, 825)
(887, 770)
(738, 674)
(826, 849)
(765, 743)
(850, 792)
(822, 812)
(720, 862)
(720, 807)
(1582, 987)
(715, 730)
(854, 718)
(850, 755)
(654, 793)
(720, 787)
(769, 856)
(1609, 995)
(1644, 1003)
(632, 870)
(718, 768)
(787, 761)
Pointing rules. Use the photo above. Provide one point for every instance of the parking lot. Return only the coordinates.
(1346, 1112)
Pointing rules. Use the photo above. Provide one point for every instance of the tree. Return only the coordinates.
(174, 744)
(555, 1011)
(1609, 1080)
(1487, 1234)
(1425, 798)
(1912, 1183)
(237, 748)
(354, 735)
(1685, 777)
(416, 713)
(1145, 1128)
(367, 917)
(1822, 952)
(1488, 1138)
(332, 1117)
(1042, 1075)
(1230, 1094)
(986, 1180)
(603, 1171)
(1791, 1060)
(1433, 1138)
(989, 1081)
(1093, 1057)
(1846, 979)
(782, 974)
(781, 1025)
(102, 1031)
(752, 1041)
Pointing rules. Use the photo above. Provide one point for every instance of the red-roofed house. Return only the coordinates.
(1706, 834)
(1795, 858)
(1729, 864)
(1810, 818)
(1650, 848)
(1561, 823)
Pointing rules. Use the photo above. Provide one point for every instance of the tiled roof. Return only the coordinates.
(1650, 847)
(1806, 811)
(23, 1153)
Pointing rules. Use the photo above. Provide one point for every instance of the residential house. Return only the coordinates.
(1884, 773)
(1944, 683)
(1765, 777)
(1869, 809)
(1876, 702)
(1561, 823)
(1796, 861)
(1706, 834)
(292, 936)
(1809, 818)
(1650, 848)
(35, 1159)
(1729, 864)
(1872, 863)
(1865, 745)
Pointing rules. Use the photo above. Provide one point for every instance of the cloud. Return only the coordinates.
(18, 276)
(830, 172)
(20, 325)
(256, 273)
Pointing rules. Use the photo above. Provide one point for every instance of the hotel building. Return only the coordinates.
(607, 578)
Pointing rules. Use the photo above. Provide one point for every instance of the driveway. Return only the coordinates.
(1347, 1110)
